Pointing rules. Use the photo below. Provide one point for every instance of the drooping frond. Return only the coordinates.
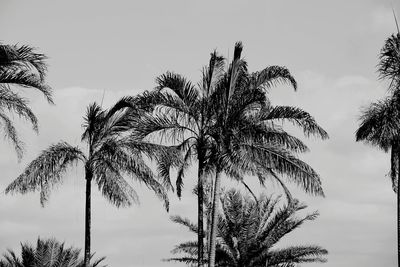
(380, 124)
(180, 86)
(125, 157)
(25, 79)
(11, 134)
(14, 103)
(185, 222)
(252, 157)
(296, 116)
(21, 65)
(272, 76)
(43, 173)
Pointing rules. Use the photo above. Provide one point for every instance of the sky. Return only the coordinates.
(105, 50)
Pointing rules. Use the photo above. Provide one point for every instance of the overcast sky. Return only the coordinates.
(119, 48)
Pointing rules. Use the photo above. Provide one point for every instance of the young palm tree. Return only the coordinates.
(113, 151)
(380, 123)
(248, 231)
(247, 137)
(47, 253)
(21, 66)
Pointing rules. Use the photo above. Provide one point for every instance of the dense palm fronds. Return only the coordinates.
(46, 253)
(248, 231)
(389, 64)
(21, 66)
(114, 151)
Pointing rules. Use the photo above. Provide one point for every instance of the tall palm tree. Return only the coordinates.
(23, 67)
(248, 231)
(47, 253)
(247, 137)
(380, 123)
(113, 151)
(182, 117)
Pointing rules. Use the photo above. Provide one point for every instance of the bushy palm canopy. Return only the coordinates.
(380, 122)
(46, 253)
(113, 153)
(229, 113)
(248, 233)
(20, 66)
(380, 127)
(248, 131)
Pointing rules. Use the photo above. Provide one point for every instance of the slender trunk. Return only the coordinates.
(208, 214)
(200, 214)
(398, 215)
(214, 221)
(89, 175)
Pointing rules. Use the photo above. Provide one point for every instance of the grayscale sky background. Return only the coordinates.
(119, 47)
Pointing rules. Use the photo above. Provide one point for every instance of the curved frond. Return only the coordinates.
(11, 133)
(14, 103)
(46, 171)
(272, 76)
(296, 116)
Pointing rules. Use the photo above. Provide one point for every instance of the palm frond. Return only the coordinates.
(16, 104)
(11, 133)
(271, 76)
(43, 173)
(296, 116)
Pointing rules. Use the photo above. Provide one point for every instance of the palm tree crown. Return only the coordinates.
(248, 231)
(47, 253)
(21, 66)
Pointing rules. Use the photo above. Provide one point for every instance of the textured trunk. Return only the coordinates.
(200, 215)
(214, 220)
(398, 215)
(89, 175)
(208, 214)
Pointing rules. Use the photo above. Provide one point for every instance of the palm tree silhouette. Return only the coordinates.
(20, 66)
(113, 151)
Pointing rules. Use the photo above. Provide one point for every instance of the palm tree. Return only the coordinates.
(247, 137)
(182, 117)
(47, 253)
(248, 231)
(380, 123)
(21, 66)
(206, 121)
(113, 151)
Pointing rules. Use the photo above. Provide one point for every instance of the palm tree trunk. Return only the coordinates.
(398, 214)
(89, 175)
(208, 214)
(200, 214)
(214, 221)
(398, 225)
